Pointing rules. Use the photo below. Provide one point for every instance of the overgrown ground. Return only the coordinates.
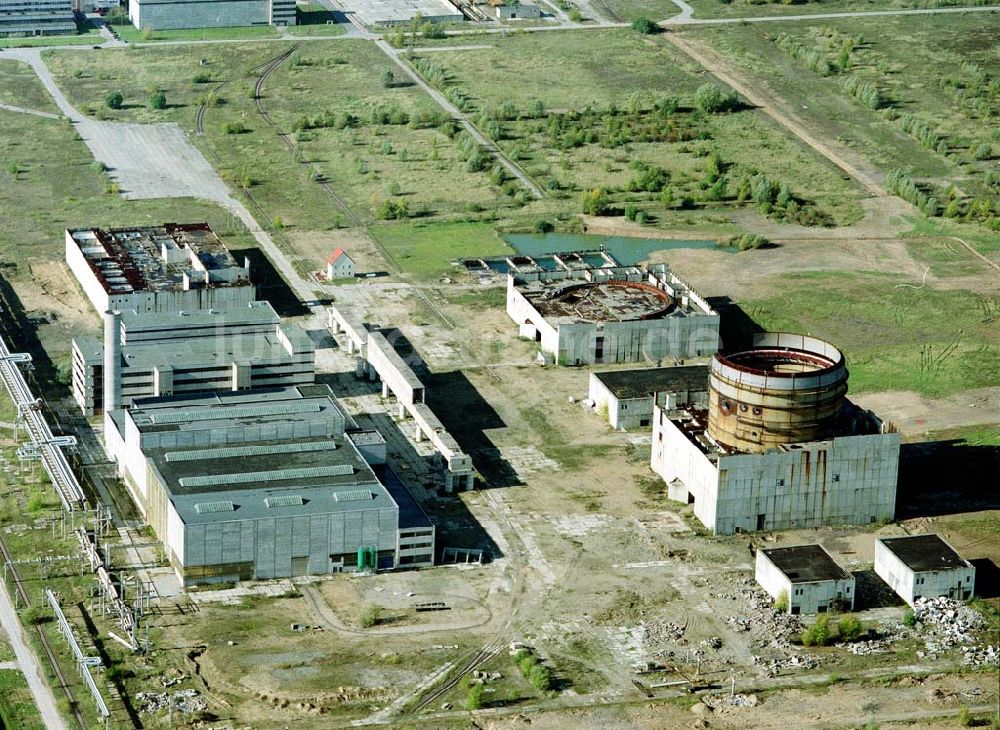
(755, 8)
(938, 85)
(17, 708)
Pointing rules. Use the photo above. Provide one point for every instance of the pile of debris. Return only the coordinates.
(183, 700)
(948, 623)
(773, 666)
(979, 656)
(867, 646)
(657, 634)
(718, 702)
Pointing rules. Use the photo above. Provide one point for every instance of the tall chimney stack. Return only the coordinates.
(112, 361)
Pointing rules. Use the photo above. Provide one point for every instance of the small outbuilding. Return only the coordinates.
(339, 265)
(811, 580)
(919, 566)
(627, 396)
(518, 12)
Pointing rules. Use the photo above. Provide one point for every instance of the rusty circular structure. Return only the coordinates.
(786, 389)
(614, 300)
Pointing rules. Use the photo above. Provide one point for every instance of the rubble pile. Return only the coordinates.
(659, 633)
(718, 702)
(183, 700)
(948, 623)
(867, 647)
(773, 666)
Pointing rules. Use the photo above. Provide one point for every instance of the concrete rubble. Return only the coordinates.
(946, 624)
(718, 702)
(182, 700)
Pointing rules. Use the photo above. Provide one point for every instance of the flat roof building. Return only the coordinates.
(36, 17)
(390, 13)
(263, 484)
(168, 268)
(627, 396)
(167, 353)
(779, 446)
(806, 577)
(586, 316)
(923, 566)
(180, 14)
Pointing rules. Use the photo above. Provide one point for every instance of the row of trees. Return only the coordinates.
(116, 100)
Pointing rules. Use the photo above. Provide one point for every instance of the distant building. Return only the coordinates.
(586, 316)
(264, 484)
(36, 17)
(169, 268)
(920, 566)
(628, 396)
(339, 265)
(518, 12)
(807, 577)
(180, 14)
(394, 13)
(168, 353)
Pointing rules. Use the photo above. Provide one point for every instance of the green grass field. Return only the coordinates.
(917, 65)
(20, 87)
(132, 34)
(426, 250)
(893, 336)
(17, 708)
(754, 8)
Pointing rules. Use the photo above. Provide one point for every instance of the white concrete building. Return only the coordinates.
(807, 577)
(846, 480)
(339, 265)
(627, 396)
(169, 268)
(922, 566)
(520, 11)
(587, 316)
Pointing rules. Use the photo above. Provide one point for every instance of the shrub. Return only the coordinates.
(35, 615)
(202, 77)
(630, 212)
(909, 618)
(370, 616)
(819, 633)
(432, 30)
(747, 242)
(864, 91)
(157, 100)
(540, 677)
(474, 697)
(644, 25)
(649, 178)
(667, 105)
(594, 202)
(711, 98)
(849, 628)
(544, 226)
(393, 210)
(388, 78)
(983, 151)
(234, 128)
(575, 15)
(781, 602)
(114, 100)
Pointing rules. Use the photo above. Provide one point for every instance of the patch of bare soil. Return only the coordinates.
(311, 249)
(915, 416)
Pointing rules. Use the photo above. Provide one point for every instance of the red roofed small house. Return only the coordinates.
(339, 265)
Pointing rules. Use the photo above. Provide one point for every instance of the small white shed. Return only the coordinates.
(808, 576)
(919, 566)
(339, 265)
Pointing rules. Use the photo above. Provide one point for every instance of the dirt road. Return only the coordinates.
(760, 96)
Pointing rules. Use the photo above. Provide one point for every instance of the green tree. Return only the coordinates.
(781, 602)
(711, 98)
(474, 697)
(644, 25)
(819, 633)
(594, 202)
(157, 100)
(370, 616)
(114, 100)
(849, 628)
(388, 78)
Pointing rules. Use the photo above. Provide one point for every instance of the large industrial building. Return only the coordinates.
(180, 14)
(167, 353)
(627, 397)
(779, 446)
(169, 268)
(264, 484)
(585, 316)
(36, 17)
(394, 13)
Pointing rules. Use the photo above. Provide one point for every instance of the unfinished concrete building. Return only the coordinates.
(264, 484)
(168, 268)
(167, 353)
(779, 446)
(586, 316)
(626, 397)
(923, 566)
(806, 577)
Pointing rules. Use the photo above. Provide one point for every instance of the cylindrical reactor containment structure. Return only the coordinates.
(785, 389)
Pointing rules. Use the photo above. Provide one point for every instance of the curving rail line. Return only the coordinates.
(487, 653)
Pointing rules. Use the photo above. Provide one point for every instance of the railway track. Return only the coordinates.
(487, 653)
(43, 640)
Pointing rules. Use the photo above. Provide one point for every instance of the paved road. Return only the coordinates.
(488, 144)
(45, 701)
